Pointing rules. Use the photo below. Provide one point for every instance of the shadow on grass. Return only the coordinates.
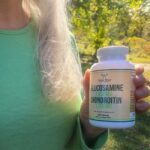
(87, 61)
(85, 66)
(136, 138)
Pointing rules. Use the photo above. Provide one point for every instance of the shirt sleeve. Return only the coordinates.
(77, 141)
(99, 143)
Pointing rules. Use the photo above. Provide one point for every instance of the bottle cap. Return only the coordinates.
(112, 52)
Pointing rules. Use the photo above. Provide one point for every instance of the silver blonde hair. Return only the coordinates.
(59, 63)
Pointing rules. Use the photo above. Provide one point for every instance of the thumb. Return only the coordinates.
(86, 83)
(139, 69)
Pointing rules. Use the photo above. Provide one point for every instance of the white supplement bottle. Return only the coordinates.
(112, 102)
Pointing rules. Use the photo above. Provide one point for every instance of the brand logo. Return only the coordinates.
(104, 77)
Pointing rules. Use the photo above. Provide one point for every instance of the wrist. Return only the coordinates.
(90, 132)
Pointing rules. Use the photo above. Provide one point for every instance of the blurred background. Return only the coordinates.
(99, 23)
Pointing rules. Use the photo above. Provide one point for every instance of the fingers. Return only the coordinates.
(86, 83)
(142, 92)
(139, 69)
(142, 107)
(139, 80)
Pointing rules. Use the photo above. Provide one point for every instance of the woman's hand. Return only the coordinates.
(141, 92)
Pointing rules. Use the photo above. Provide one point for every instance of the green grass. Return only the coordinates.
(136, 138)
(90, 58)
(139, 59)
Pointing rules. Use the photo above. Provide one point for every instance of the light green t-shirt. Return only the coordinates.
(27, 120)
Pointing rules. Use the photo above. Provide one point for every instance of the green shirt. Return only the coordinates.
(27, 120)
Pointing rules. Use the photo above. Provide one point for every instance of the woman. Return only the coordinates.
(40, 81)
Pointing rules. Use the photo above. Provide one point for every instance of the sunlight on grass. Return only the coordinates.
(139, 60)
(136, 138)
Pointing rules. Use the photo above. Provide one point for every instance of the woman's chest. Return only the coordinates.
(28, 121)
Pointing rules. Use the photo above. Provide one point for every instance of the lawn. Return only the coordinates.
(136, 138)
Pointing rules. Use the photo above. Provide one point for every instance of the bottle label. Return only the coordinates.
(112, 95)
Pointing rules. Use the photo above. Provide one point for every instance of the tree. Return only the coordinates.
(99, 23)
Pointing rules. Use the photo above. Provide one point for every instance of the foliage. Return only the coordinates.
(99, 23)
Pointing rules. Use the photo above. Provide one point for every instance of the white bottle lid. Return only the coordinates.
(112, 52)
